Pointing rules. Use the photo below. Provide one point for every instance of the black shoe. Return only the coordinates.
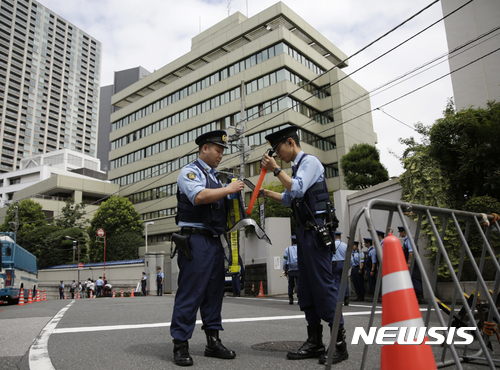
(290, 299)
(313, 347)
(339, 355)
(181, 353)
(346, 301)
(215, 348)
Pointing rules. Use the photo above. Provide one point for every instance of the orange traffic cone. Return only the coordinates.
(122, 294)
(114, 296)
(400, 309)
(132, 295)
(65, 295)
(30, 297)
(21, 298)
(78, 296)
(44, 295)
(261, 291)
(37, 299)
(91, 295)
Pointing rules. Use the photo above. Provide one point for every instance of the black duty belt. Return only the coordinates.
(193, 230)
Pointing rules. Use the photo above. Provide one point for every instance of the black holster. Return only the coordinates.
(182, 244)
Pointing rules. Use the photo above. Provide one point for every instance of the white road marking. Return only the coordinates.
(39, 354)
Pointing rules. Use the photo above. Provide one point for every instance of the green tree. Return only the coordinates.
(362, 167)
(29, 216)
(465, 144)
(73, 215)
(120, 221)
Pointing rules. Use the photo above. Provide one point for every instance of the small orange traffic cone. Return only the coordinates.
(44, 295)
(261, 291)
(37, 299)
(114, 296)
(132, 295)
(91, 295)
(122, 293)
(400, 309)
(21, 298)
(65, 295)
(30, 297)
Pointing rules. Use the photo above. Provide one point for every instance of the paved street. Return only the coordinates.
(133, 333)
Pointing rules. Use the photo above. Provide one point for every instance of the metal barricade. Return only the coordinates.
(461, 220)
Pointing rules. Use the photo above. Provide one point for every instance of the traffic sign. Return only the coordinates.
(80, 266)
(100, 232)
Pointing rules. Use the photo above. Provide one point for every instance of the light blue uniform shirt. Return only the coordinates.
(357, 258)
(290, 258)
(192, 186)
(407, 244)
(340, 251)
(310, 172)
(372, 254)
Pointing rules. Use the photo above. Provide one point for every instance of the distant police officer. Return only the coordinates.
(357, 271)
(371, 265)
(159, 281)
(202, 216)
(144, 284)
(381, 236)
(338, 259)
(291, 268)
(408, 252)
(307, 194)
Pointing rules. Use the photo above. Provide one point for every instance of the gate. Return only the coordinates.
(470, 308)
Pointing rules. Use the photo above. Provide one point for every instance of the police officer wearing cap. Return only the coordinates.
(381, 236)
(338, 259)
(291, 268)
(357, 271)
(408, 252)
(307, 194)
(201, 204)
(371, 265)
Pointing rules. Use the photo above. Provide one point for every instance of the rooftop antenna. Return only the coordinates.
(228, 7)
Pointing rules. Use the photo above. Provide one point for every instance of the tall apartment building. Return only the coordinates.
(121, 80)
(49, 84)
(479, 82)
(275, 53)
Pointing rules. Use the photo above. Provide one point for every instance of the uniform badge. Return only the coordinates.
(191, 175)
(224, 138)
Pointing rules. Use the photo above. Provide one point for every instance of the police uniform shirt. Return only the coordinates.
(407, 244)
(372, 254)
(340, 251)
(159, 275)
(357, 258)
(310, 172)
(191, 181)
(290, 258)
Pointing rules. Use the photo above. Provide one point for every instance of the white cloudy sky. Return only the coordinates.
(152, 33)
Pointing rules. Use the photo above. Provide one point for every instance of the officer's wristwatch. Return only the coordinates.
(277, 171)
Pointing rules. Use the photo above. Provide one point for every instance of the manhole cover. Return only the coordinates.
(278, 346)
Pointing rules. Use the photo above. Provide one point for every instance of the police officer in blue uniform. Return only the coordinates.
(357, 271)
(408, 252)
(291, 268)
(381, 236)
(338, 265)
(159, 281)
(371, 265)
(307, 194)
(202, 216)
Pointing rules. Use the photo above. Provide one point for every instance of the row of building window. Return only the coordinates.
(253, 86)
(161, 213)
(155, 193)
(178, 163)
(216, 77)
(260, 110)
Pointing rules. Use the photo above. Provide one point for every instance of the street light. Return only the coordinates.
(78, 243)
(148, 223)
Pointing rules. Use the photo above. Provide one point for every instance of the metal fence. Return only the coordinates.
(464, 309)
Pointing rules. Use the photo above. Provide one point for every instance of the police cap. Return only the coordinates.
(401, 228)
(356, 242)
(293, 237)
(338, 233)
(381, 233)
(280, 136)
(368, 240)
(218, 137)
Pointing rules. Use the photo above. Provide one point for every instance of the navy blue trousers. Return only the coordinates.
(358, 280)
(317, 291)
(415, 279)
(293, 281)
(337, 267)
(200, 286)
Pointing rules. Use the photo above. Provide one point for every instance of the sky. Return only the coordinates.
(153, 33)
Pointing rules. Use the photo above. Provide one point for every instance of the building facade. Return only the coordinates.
(49, 84)
(479, 82)
(267, 61)
(122, 79)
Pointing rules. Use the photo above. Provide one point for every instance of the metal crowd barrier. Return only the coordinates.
(447, 216)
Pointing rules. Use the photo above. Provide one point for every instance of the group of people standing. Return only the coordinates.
(89, 286)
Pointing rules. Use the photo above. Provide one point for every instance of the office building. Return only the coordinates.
(49, 84)
(275, 53)
(479, 82)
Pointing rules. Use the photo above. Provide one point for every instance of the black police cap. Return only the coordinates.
(401, 228)
(218, 137)
(381, 233)
(280, 136)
